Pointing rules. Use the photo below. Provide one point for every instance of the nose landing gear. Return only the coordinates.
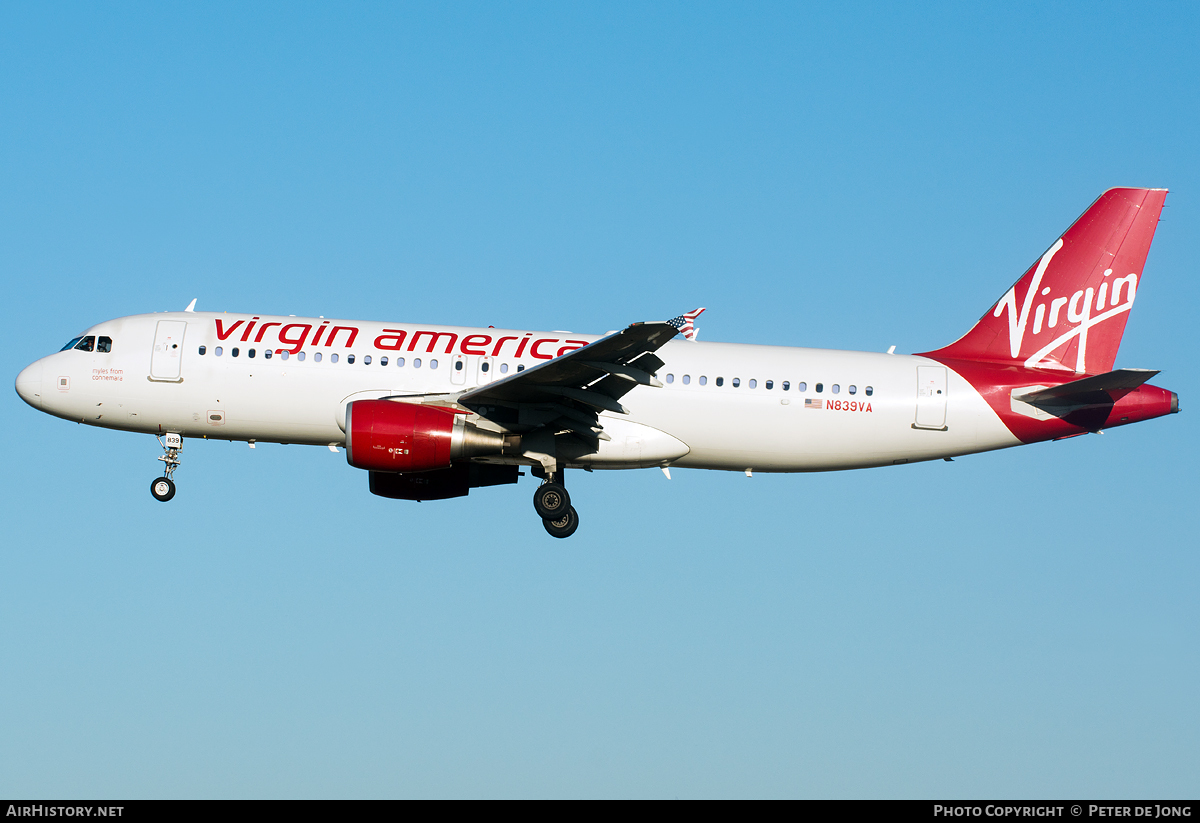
(163, 488)
(553, 505)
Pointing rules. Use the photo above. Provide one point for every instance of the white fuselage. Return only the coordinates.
(721, 406)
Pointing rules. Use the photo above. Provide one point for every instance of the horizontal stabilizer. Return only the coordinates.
(1089, 390)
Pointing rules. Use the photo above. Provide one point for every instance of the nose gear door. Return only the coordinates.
(167, 356)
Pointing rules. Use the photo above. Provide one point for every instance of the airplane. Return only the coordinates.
(431, 412)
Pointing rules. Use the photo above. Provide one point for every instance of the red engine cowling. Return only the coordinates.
(389, 436)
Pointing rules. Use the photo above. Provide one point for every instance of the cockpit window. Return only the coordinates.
(71, 345)
(104, 344)
(87, 343)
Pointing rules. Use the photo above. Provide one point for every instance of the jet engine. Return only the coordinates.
(391, 436)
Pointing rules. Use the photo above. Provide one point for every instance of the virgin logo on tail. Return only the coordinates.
(1047, 314)
(1068, 311)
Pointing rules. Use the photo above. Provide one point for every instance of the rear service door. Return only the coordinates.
(167, 356)
(931, 398)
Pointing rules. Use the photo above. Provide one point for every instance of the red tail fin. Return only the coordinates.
(1069, 310)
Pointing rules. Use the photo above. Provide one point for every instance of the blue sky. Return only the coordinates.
(1022, 623)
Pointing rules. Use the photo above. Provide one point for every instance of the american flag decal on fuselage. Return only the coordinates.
(811, 404)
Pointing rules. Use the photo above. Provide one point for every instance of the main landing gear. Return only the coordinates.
(163, 488)
(553, 505)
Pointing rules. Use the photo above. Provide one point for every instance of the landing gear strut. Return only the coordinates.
(553, 505)
(163, 488)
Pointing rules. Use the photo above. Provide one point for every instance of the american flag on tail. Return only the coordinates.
(684, 323)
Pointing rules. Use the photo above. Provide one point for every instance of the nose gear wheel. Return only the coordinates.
(163, 489)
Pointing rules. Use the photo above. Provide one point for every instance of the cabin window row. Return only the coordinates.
(769, 385)
(367, 359)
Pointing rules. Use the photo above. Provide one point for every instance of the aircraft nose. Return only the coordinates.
(29, 384)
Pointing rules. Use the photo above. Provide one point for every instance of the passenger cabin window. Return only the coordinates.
(786, 385)
(504, 368)
(250, 353)
(433, 364)
(458, 365)
(836, 388)
(770, 384)
(349, 358)
(367, 360)
(703, 380)
(737, 381)
(383, 361)
(416, 362)
(218, 351)
(71, 345)
(316, 357)
(820, 388)
(753, 383)
(86, 344)
(520, 367)
(670, 378)
(854, 389)
(203, 350)
(267, 353)
(104, 344)
(687, 378)
(801, 387)
(720, 381)
(870, 391)
(333, 358)
(234, 352)
(299, 356)
(400, 362)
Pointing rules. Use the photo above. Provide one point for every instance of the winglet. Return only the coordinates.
(684, 323)
(192, 305)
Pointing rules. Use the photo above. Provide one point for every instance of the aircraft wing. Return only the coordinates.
(569, 391)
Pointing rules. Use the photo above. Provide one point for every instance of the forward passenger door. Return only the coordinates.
(167, 357)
